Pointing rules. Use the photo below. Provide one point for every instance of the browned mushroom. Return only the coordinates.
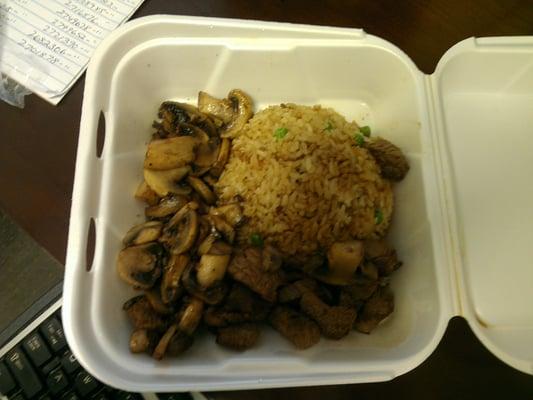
(343, 260)
(174, 113)
(171, 287)
(223, 227)
(202, 189)
(211, 269)
(170, 153)
(179, 343)
(161, 347)
(146, 194)
(169, 181)
(213, 294)
(143, 233)
(232, 213)
(167, 206)
(180, 232)
(154, 298)
(220, 108)
(244, 109)
(143, 340)
(140, 265)
(222, 158)
(191, 316)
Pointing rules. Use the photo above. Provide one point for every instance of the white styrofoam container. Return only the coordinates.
(464, 212)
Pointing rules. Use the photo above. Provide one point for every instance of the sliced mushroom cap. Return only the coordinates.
(179, 343)
(146, 194)
(143, 340)
(143, 233)
(222, 158)
(169, 181)
(140, 265)
(161, 347)
(220, 108)
(202, 189)
(212, 295)
(154, 298)
(191, 316)
(171, 287)
(167, 206)
(343, 260)
(244, 109)
(171, 153)
(207, 154)
(232, 213)
(211, 269)
(181, 231)
(210, 180)
(173, 113)
(225, 229)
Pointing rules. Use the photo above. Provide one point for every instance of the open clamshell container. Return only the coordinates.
(463, 215)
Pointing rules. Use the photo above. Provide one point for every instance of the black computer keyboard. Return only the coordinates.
(38, 365)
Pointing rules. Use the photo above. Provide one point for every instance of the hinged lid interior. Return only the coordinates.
(483, 97)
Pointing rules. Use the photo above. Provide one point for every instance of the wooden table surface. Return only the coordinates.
(38, 147)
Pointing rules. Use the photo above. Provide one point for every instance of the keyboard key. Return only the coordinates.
(36, 349)
(70, 396)
(85, 383)
(7, 384)
(127, 396)
(174, 396)
(101, 395)
(23, 372)
(17, 396)
(53, 333)
(56, 381)
(69, 362)
(50, 366)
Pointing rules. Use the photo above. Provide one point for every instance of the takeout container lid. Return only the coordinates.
(474, 145)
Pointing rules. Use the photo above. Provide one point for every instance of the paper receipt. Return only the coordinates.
(45, 45)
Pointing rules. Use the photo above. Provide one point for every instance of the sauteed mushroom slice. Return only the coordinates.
(143, 233)
(222, 158)
(169, 181)
(181, 231)
(234, 111)
(211, 269)
(223, 227)
(202, 189)
(191, 315)
(146, 194)
(343, 260)
(171, 286)
(173, 152)
(174, 113)
(231, 212)
(210, 295)
(167, 206)
(154, 298)
(140, 265)
(143, 340)
(220, 108)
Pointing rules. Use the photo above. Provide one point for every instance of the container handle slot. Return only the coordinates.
(100, 134)
(90, 245)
